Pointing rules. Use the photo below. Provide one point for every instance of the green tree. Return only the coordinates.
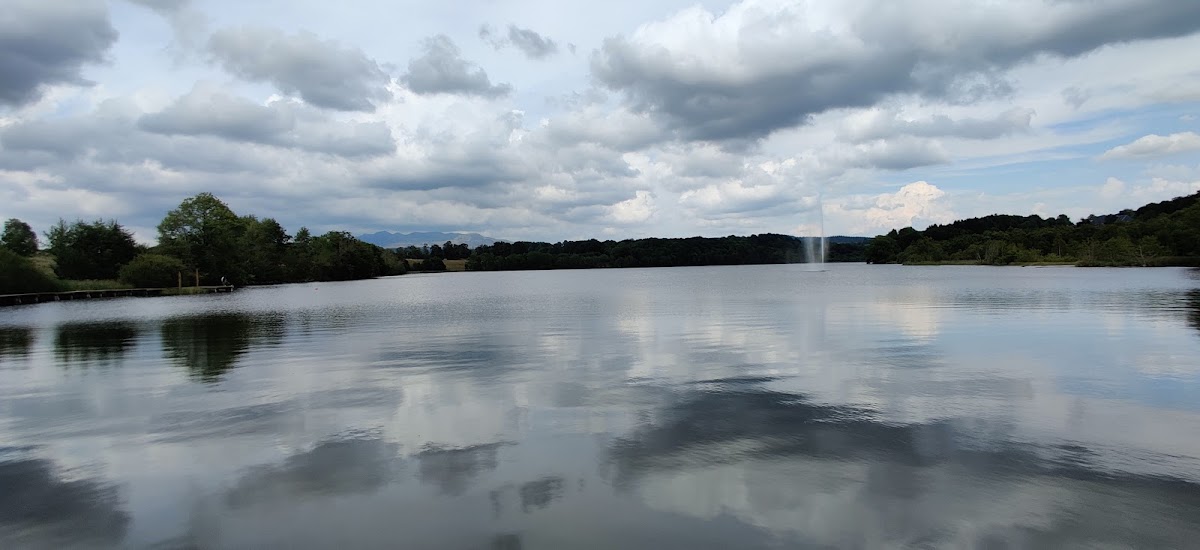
(338, 256)
(1147, 249)
(923, 250)
(264, 245)
(1118, 250)
(882, 250)
(153, 271)
(206, 235)
(90, 250)
(19, 237)
(298, 258)
(18, 275)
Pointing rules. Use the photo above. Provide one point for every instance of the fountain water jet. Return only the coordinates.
(815, 246)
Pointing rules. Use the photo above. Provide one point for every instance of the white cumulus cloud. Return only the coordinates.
(1155, 145)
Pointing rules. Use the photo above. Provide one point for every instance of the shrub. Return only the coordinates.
(152, 271)
(18, 275)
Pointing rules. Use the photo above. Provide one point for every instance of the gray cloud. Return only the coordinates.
(221, 115)
(164, 7)
(885, 125)
(323, 73)
(898, 154)
(774, 72)
(532, 44)
(442, 70)
(110, 136)
(209, 112)
(48, 43)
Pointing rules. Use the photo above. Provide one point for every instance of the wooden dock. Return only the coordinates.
(43, 297)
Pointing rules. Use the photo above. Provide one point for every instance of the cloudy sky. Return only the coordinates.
(562, 120)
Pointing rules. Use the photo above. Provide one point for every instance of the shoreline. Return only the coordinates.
(71, 295)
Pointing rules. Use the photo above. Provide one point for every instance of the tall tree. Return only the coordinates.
(19, 237)
(205, 234)
(264, 247)
(91, 250)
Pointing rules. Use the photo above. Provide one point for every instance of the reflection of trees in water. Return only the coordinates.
(333, 467)
(41, 509)
(210, 345)
(539, 494)
(104, 342)
(507, 541)
(15, 341)
(534, 495)
(906, 483)
(1193, 302)
(453, 469)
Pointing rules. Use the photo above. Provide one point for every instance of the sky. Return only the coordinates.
(546, 120)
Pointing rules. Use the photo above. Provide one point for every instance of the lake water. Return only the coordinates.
(722, 407)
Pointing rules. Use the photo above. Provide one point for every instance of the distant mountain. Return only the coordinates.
(387, 239)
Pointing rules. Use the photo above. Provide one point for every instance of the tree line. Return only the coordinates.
(1161, 233)
(652, 252)
(201, 241)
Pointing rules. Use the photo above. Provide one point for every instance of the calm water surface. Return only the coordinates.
(725, 407)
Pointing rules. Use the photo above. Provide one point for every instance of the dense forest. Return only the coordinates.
(693, 251)
(202, 240)
(1161, 233)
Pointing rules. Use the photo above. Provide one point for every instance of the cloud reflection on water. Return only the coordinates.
(42, 506)
(845, 477)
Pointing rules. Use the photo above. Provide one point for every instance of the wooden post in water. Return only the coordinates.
(197, 277)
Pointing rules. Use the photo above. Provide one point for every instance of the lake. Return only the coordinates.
(714, 407)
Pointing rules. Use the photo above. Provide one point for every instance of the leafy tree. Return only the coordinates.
(153, 271)
(263, 247)
(432, 264)
(90, 250)
(206, 235)
(19, 237)
(298, 257)
(882, 250)
(18, 275)
(338, 256)
(923, 250)
(394, 263)
(1147, 249)
(453, 251)
(1117, 251)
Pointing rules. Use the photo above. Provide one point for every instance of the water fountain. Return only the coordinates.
(815, 246)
